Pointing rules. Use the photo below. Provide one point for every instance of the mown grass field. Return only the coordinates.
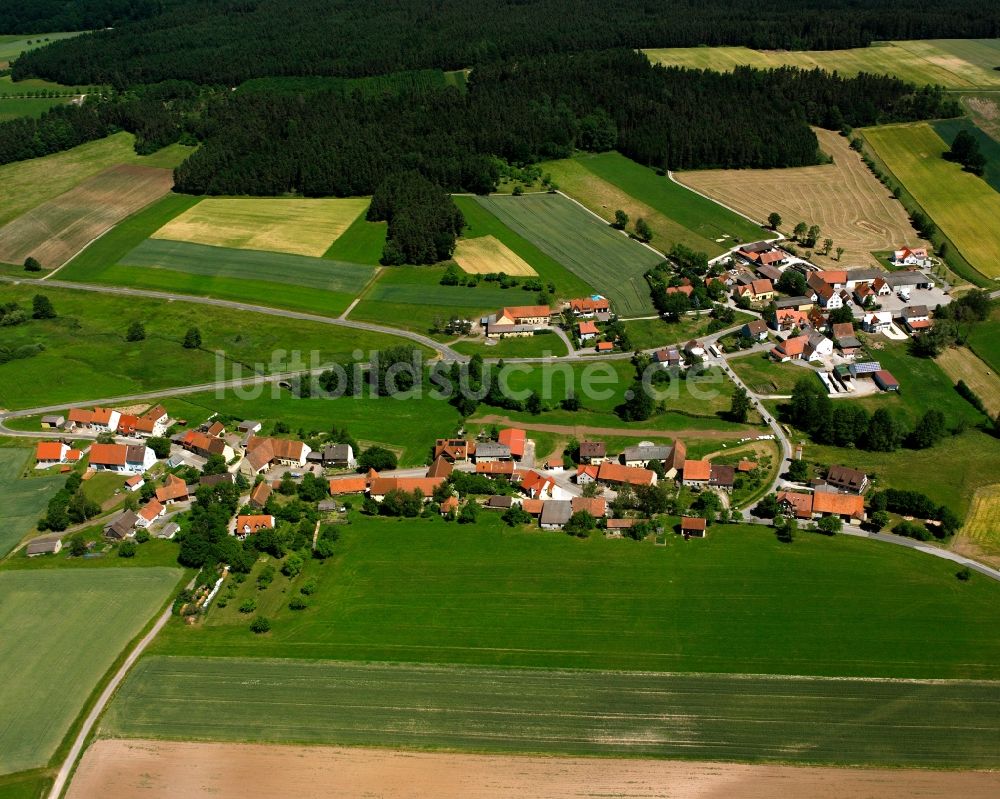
(962, 364)
(721, 717)
(488, 255)
(27, 184)
(952, 63)
(606, 182)
(982, 526)
(738, 601)
(86, 347)
(295, 226)
(602, 257)
(13, 44)
(947, 129)
(14, 107)
(984, 340)
(361, 243)
(22, 501)
(962, 205)
(57, 230)
(646, 334)
(257, 267)
(844, 198)
(62, 630)
(763, 376)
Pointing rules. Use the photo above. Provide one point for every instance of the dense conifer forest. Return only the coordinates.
(228, 41)
(49, 16)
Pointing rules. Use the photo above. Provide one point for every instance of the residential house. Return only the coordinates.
(121, 458)
(205, 445)
(122, 526)
(693, 526)
(877, 322)
(595, 506)
(586, 473)
(791, 349)
(539, 486)
(911, 256)
(795, 504)
(694, 349)
(262, 453)
(104, 419)
(153, 422)
(380, 486)
(863, 293)
(916, 318)
(885, 380)
(491, 451)
(50, 453)
(830, 298)
(453, 449)
(881, 288)
(696, 474)
(836, 278)
(722, 476)
(514, 439)
(757, 291)
(644, 454)
(686, 290)
(787, 319)
(44, 545)
(849, 507)
(149, 513)
(135, 482)
(261, 492)
(593, 452)
(587, 307)
(337, 456)
(668, 358)
(817, 347)
(555, 514)
(845, 339)
(126, 424)
(517, 320)
(496, 468)
(755, 329)
(616, 474)
(174, 490)
(247, 525)
(53, 421)
(586, 331)
(847, 479)
(450, 505)
(441, 467)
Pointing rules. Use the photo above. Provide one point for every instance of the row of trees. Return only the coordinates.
(221, 41)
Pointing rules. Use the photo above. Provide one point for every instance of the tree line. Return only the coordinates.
(211, 41)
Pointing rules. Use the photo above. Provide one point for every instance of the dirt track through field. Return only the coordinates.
(152, 769)
(582, 430)
(844, 199)
(57, 230)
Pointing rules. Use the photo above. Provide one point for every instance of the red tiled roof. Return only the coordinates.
(605, 346)
(80, 415)
(532, 506)
(127, 423)
(450, 504)
(514, 438)
(801, 503)
(102, 415)
(260, 493)
(588, 470)
(595, 506)
(505, 468)
(174, 489)
(108, 454)
(693, 523)
(852, 505)
(589, 305)
(348, 485)
(426, 485)
(697, 470)
(254, 523)
(49, 451)
(616, 473)
(516, 312)
(588, 328)
(151, 510)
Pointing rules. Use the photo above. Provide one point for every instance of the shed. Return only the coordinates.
(44, 545)
(885, 381)
(693, 526)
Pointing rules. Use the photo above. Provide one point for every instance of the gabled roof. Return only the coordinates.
(108, 454)
(593, 449)
(801, 504)
(793, 346)
(216, 429)
(441, 467)
(595, 506)
(514, 438)
(103, 415)
(174, 489)
(697, 470)
(633, 475)
(346, 485)
(533, 482)
(49, 451)
(589, 304)
(842, 329)
(122, 525)
(852, 505)
(381, 486)
(756, 326)
(832, 275)
(450, 504)
(134, 480)
(81, 415)
(151, 510)
(504, 468)
(605, 346)
(532, 506)
(452, 448)
(254, 523)
(281, 448)
(556, 511)
(587, 329)
(722, 475)
(516, 312)
(846, 476)
(261, 492)
(587, 469)
(693, 523)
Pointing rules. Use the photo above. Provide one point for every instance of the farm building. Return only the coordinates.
(337, 456)
(696, 474)
(595, 506)
(345, 485)
(381, 486)
(514, 439)
(517, 320)
(885, 381)
(593, 452)
(794, 303)
(722, 476)
(643, 454)
(122, 526)
(453, 449)
(492, 451)
(499, 502)
(261, 492)
(848, 507)
(616, 474)
(847, 479)
(495, 468)
(53, 422)
(693, 526)
(910, 278)
(555, 514)
(131, 459)
(441, 467)
(44, 545)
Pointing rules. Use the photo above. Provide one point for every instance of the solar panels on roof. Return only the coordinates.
(866, 368)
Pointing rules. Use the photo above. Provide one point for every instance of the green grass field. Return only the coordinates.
(947, 129)
(528, 347)
(952, 63)
(22, 501)
(14, 107)
(605, 182)
(962, 205)
(738, 601)
(85, 345)
(12, 45)
(361, 243)
(646, 334)
(602, 257)
(62, 630)
(718, 717)
(764, 376)
(27, 184)
(984, 340)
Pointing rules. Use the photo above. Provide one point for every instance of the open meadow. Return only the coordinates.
(128, 769)
(497, 710)
(486, 594)
(488, 255)
(984, 339)
(962, 205)
(844, 198)
(57, 230)
(85, 346)
(980, 535)
(952, 63)
(14, 107)
(295, 226)
(22, 500)
(947, 129)
(960, 363)
(13, 44)
(606, 182)
(61, 631)
(763, 376)
(27, 184)
(604, 258)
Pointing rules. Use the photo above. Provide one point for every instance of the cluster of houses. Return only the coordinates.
(518, 321)
(840, 493)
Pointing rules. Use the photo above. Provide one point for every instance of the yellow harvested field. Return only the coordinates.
(300, 227)
(843, 198)
(488, 255)
(154, 769)
(980, 535)
(960, 363)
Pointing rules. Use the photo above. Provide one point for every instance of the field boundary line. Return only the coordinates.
(757, 222)
(604, 221)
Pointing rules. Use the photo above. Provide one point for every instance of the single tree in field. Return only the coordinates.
(192, 339)
(136, 332)
(799, 232)
(812, 235)
(741, 404)
(31, 265)
(774, 220)
(41, 307)
(621, 220)
(827, 246)
(643, 232)
(840, 252)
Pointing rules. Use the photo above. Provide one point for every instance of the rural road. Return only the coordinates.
(62, 778)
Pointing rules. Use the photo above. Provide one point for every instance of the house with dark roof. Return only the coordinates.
(644, 454)
(122, 526)
(847, 479)
(722, 476)
(593, 452)
(755, 329)
(555, 514)
(44, 545)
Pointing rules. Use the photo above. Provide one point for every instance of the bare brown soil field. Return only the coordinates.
(960, 363)
(152, 769)
(57, 230)
(488, 255)
(844, 199)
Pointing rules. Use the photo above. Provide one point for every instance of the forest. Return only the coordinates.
(229, 41)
